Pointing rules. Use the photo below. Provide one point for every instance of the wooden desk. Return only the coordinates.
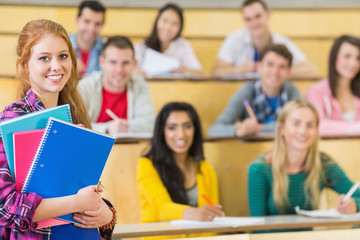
(230, 158)
(271, 223)
(348, 234)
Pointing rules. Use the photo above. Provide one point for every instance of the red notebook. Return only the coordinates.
(25, 145)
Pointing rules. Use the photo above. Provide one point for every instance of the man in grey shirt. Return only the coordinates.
(266, 96)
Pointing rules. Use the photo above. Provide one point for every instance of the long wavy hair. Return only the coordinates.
(153, 40)
(162, 156)
(333, 74)
(30, 35)
(312, 165)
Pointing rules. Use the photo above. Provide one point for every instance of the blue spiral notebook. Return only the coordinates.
(31, 121)
(69, 158)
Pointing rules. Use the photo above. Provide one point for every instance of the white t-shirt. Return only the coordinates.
(238, 48)
(179, 49)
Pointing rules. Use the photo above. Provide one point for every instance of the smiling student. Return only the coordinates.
(294, 172)
(118, 89)
(337, 98)
(241, 49)
(266, 96)
(87, 41)
(166, 38)
(46, 69)
(173, 175)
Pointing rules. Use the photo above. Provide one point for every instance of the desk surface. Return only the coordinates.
(271, 222)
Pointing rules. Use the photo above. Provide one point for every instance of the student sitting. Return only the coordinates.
(117, 89)
(337, 98)
(87, 41)
(294, 172)
(173, 175)
(266, 96)
(166, 38)
(241, 49)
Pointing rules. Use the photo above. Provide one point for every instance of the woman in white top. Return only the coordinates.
(165, 38)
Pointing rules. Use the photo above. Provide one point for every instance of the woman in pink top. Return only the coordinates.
(337, 98)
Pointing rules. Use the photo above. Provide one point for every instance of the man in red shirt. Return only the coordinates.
(127, 96)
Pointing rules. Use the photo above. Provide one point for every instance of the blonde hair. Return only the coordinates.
(312, 165)
(30, 35)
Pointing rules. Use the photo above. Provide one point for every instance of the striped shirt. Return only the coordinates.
(179, 49)
(260, 187)
(17, 209)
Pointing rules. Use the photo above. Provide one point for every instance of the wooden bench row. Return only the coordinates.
(313, 32)
(209, 97)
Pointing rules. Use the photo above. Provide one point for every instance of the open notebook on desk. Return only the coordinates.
(220, 222)
(331, 213)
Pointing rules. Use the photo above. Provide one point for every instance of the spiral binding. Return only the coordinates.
(69, 115)
(37, 154)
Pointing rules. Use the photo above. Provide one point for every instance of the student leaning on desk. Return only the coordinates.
(46, 68)
(266, 96)
(240, 51)
(294, 172)
(173, 175)
(337, 98)
(166, 38)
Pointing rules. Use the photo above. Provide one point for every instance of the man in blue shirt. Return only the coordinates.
(87, 41)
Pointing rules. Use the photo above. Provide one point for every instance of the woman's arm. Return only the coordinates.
(152, 190)
(257, 190)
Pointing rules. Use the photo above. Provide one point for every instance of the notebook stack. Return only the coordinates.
(52, 157)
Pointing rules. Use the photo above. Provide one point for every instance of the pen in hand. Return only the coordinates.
(350, 192)
(98, 186)
(111, 114)
(208, 200)
(249, 110)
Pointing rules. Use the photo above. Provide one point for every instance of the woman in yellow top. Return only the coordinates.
(173, 175)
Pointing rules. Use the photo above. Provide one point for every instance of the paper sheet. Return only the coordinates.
(331, 213)
(156, 63)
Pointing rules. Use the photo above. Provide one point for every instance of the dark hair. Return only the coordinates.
(162, 156)
(279, 49)
(95, 6)
(250, 2)
(333, 74)
(153, 40)
(121, 42)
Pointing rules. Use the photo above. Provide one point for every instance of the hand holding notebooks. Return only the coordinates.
(26, 144)
(31, 121)
(69, 158)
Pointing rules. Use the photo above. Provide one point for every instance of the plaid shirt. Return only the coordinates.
(261, 106)
(17, 209)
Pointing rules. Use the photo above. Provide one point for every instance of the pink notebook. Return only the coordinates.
(25, 147)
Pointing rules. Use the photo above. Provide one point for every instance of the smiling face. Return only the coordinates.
(118, 65)
(49, 66)
(168, 26)
(274, 71)
(89, 25)
(299, 129)
(255, 19)
(348, 61)
(179, 132)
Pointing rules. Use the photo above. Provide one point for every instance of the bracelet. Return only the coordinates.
(113, 220)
